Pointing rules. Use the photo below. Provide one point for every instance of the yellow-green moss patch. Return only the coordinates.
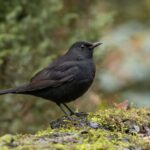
(105, 129)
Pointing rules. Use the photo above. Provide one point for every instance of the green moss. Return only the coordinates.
(120, 120)
(117, 129)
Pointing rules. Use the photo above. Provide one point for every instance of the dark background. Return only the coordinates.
(34, 33)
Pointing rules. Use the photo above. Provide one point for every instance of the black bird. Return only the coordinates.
(64, 80)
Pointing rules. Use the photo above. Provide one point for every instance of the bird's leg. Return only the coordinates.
(70, 110)
(64, 111)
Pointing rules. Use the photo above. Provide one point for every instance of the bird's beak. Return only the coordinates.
(96, 44)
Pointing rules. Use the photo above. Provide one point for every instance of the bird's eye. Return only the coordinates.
(82, 46)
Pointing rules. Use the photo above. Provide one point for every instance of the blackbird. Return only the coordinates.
(64, 80)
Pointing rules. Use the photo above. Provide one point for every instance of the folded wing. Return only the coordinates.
(53, 76)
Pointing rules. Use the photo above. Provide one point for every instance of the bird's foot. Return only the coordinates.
(81, 114)
(78, 114)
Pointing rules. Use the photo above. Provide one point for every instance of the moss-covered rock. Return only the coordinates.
(106, 129)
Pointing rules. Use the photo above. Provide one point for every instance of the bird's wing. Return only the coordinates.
(42, 84)
(53, 77)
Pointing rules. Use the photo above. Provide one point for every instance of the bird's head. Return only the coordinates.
(83, 49)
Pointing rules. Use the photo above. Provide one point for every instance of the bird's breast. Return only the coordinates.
(87, 71)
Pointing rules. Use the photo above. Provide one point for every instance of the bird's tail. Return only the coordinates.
(17, 90)
(7, 91)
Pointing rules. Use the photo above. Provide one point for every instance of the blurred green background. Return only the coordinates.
(34, 33)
